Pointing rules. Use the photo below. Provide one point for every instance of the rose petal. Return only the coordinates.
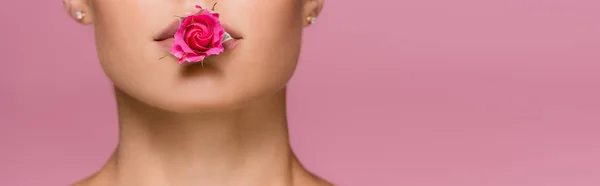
(200, 45)
(192, 58)
(215, 51)
(203, 38)
(192, 34)
(197, 47)
(179, 38)
(207, 17)
(199, 31)
(219, 33)
(177, 51)
(181, 61)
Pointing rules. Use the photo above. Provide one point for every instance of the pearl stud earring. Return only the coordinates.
(311, 19)
(79, 15)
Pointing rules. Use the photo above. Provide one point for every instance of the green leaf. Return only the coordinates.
(226, 37)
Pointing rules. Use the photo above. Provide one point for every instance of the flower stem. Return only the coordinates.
(167, 54)
(213, 7)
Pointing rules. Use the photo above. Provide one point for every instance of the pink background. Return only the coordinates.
(388, 93)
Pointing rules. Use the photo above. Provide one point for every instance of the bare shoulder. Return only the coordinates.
(303, 177)
(89, 181)
(312, 181)
(85, 182)
(307, 179)
(96, 179)
(322, 182)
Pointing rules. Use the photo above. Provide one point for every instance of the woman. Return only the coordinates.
(216, 123)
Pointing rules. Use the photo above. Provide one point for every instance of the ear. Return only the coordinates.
(79, 10)
(312, 9)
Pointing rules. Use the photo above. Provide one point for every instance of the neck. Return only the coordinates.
(247, 146)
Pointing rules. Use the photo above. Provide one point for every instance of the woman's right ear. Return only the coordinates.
(312, 9)
(79, 10)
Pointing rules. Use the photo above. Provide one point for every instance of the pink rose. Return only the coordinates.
(200, 35)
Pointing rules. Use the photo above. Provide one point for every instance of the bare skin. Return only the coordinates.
(220, 124)
(241, 148)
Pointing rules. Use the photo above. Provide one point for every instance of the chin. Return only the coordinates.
(198, 104)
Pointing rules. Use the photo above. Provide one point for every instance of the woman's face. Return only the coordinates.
(261, 62)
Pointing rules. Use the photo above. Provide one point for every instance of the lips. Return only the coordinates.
(232, 32)
(230, 43)
(168, 32)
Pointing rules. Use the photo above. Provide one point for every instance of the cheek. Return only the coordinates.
(124, 31)
(117, 38)
(272, 33)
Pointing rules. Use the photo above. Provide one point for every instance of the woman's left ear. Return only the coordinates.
(312, 9)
